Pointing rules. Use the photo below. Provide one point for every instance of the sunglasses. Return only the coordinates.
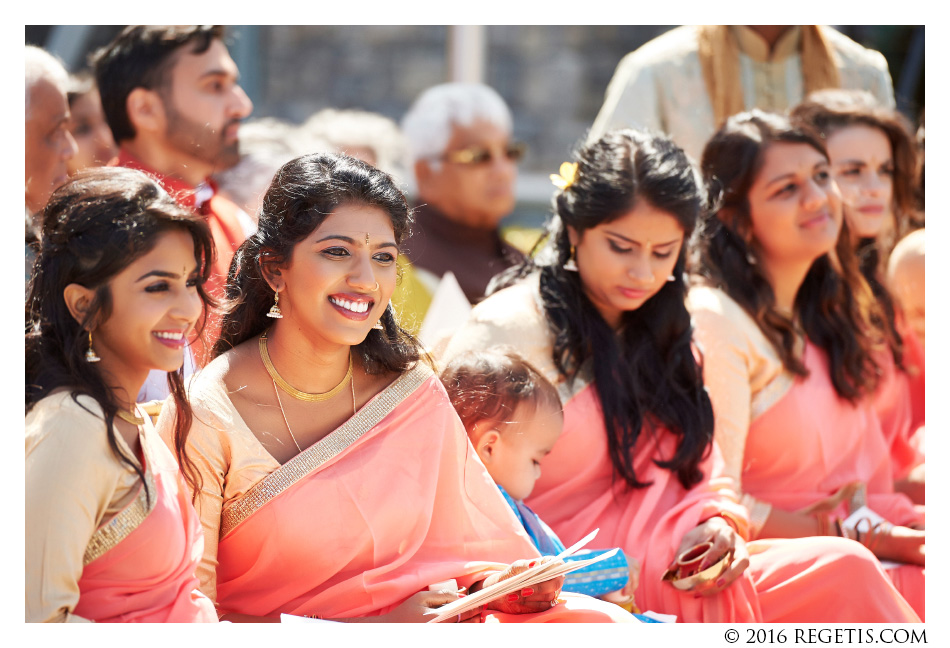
(479, 155)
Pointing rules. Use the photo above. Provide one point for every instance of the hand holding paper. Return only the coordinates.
(544, 579)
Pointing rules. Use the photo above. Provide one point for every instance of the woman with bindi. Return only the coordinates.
(600, 311)
(111, 535)
(790, 332)
(334, 477)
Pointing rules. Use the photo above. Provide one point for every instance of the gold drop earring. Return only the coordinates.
(571, 264)
(378, 326)
(275, 309)
(90, 352)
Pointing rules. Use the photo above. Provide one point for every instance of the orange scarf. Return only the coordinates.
(719, 60)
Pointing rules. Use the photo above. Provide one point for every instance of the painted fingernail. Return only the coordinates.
(721, 581)
(461, 596)
(532, 563)
(527, 591)
(512, 598)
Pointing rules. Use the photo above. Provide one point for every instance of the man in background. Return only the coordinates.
(465, 165)
(171, 97)
(49, 145)
(686, 82)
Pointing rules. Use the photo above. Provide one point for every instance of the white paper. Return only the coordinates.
(293, 618)
(447, 312)
(863, 519)
(662, 618)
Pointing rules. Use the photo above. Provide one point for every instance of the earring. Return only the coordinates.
(90, 352)
(378, 326)
(672, 277)
(750, 258)
(571, 264)
(275, 309)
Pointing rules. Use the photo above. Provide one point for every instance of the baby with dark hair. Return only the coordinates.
(513, 417)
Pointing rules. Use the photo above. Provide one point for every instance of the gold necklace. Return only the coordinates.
(284, 414)
(128, 416)
(293, 391)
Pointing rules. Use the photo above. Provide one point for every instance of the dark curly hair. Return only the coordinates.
(646, 371)
(94, 226)
(834, 303)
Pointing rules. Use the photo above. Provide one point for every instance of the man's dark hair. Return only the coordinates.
(141, 57)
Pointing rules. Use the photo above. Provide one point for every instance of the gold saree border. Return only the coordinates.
(325, 449)
(125, 522)
(771, 394)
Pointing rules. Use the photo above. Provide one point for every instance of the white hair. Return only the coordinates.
(428, 124)
(343, 129)
(43, 66)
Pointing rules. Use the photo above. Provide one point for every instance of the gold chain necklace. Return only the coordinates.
(284, 414)
(293, 391)
(128, 416)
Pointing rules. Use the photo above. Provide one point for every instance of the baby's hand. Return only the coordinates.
(624, 596)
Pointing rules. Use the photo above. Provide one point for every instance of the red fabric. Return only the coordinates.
(914, 366)
(893, 403)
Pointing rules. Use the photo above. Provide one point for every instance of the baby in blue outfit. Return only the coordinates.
(513, 418)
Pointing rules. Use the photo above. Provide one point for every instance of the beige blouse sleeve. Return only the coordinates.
(74, 483)
(743, 375)
(208, 448)
(512, 318)
(229, 459)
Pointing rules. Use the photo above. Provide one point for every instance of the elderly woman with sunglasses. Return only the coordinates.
(465, 165)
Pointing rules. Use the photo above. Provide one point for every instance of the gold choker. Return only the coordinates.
(129, 417)
(293, 391)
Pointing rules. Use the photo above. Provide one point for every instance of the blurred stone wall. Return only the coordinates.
(553, 77)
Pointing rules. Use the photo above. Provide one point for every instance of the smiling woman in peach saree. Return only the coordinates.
(116, 289)
(791, 336)
(333, 477)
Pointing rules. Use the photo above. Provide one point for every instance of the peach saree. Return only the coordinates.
(811, 443)
(140, 566)
(136, 565)
(894, 405)
(392, 501)
(788, 580)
